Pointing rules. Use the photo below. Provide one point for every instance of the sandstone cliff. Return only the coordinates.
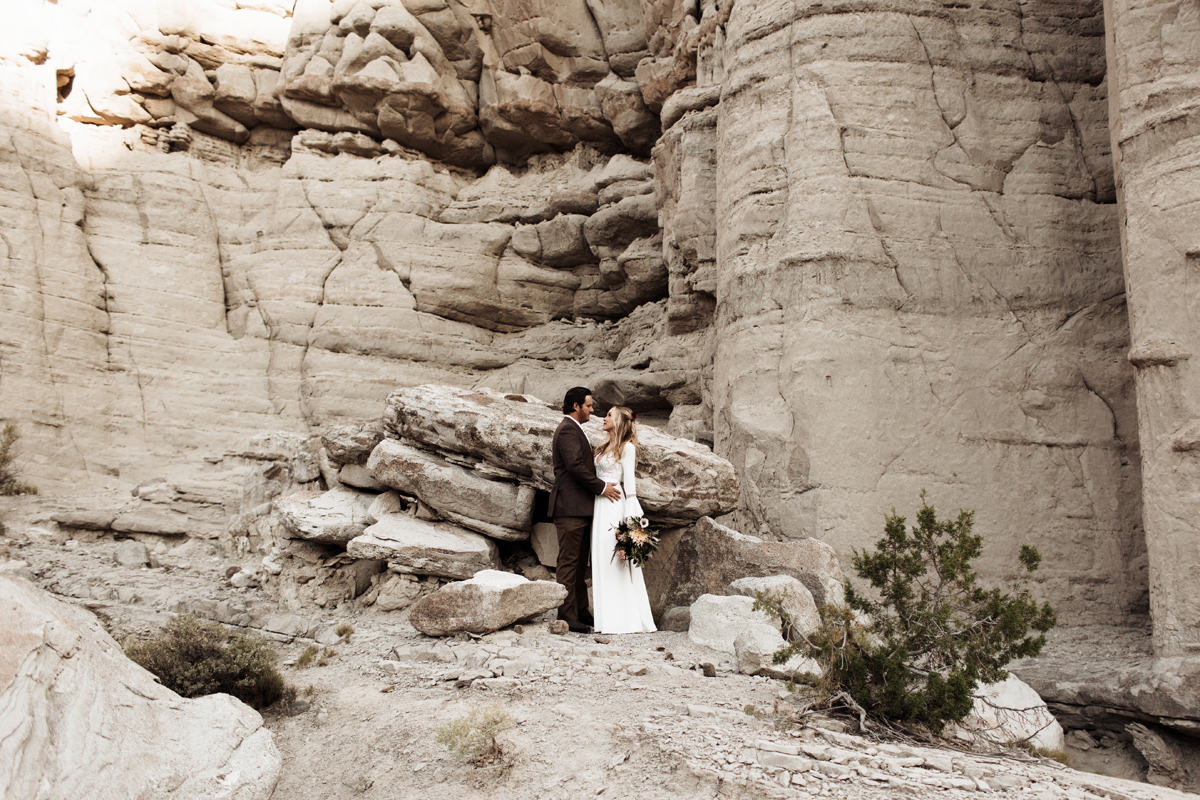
(861, 249)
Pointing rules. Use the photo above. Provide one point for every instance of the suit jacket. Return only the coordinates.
(575, 483)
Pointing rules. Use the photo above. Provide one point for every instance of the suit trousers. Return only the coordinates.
(574, 545)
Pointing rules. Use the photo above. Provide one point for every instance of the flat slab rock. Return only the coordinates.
(487, 602)
(421, 547)
(464, 494)
(78, 719)
(678, 480)
(333, 517)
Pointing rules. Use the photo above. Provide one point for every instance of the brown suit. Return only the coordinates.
(572, 504)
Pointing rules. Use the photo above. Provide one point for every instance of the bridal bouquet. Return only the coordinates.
(636, 541)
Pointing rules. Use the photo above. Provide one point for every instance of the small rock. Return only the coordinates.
(792, 763)
(709, 669)
(300, 706)
(243, 579)
(677, 619)
(1081, 740)
(272, 564)
(755, 647)
(131, 553)
(831, 769)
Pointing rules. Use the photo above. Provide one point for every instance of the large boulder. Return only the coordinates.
(487, 602)
(710, 556)
(795, 599)
(333, 517)
(1010, 711)
(447, 487)
(80, 720)
(421, 547)
(717, 621)
(678, 480)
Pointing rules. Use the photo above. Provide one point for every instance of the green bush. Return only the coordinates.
(195, 658)
(9, 483)
(917, 653)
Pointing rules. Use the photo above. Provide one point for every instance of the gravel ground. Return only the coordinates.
(593, 716)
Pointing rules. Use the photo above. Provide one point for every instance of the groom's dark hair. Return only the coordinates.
(577, 395)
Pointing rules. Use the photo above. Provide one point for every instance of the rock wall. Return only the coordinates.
(215, 285)
(919, 283)
(863, 250)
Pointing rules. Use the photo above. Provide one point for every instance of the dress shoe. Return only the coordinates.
(575, 626)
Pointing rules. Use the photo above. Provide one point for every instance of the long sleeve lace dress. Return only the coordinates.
(619, 598)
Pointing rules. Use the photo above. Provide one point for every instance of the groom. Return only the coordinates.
(572, 504)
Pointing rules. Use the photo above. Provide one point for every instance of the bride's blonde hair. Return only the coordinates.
(623, 432)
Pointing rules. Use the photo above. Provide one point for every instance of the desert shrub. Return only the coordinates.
(194, 658)
(345, 631)
(315, 654)
(10, 483)
(1061, 756)
(917, 653)
(473, 737)
(306, 658)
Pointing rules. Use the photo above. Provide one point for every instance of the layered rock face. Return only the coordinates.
(191, 286)
(919, 283)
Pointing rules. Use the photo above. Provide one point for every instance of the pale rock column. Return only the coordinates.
(1154, 74)
(918, 285)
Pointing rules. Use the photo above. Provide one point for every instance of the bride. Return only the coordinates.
(618, 590)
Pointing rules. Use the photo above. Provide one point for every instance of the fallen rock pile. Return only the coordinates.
(508, 437)
(447, 476)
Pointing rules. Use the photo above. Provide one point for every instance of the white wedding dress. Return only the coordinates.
(619, 601)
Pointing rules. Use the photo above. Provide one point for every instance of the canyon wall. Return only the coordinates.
(863, 250)
(181, 283)
(919, 282)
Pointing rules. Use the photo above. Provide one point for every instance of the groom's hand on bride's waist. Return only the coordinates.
(612, 492)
